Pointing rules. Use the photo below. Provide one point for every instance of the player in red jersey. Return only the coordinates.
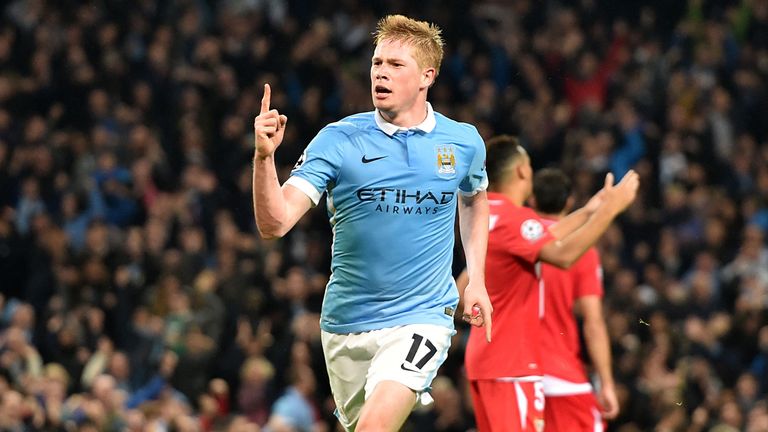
(570, 402)
(505, 375)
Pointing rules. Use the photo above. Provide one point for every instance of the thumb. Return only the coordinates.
(283, 120)
(468, 308)
(608, 181)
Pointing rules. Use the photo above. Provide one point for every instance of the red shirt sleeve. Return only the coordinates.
(525, 234)
(588, 275)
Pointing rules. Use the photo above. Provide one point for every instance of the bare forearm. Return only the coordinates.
(473, 226)
(563, 253)
(599, 349)
(567, 225)
(268, 200)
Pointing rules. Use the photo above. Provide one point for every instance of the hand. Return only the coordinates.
(597, 199)
(608, 401)
(620, 196)
(477, 307)
(268, 126)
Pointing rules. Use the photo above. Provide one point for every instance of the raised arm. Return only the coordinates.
(473, 226)
(564, 252)
(276, 208)
(573, 221)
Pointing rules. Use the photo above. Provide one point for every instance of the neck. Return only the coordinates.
(515, 192)
(411, 117)
(550, 216)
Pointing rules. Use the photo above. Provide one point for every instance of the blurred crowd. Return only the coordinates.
(135, 294)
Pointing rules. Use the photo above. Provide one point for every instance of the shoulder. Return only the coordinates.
(460, 129)
(333, 136)
(591, 258)
(526, 221)
(523, 213)
(350, 125)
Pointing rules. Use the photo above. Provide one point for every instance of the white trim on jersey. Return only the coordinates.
(522, 405)
(527, 378)
(306, 187)
(554, 386)
(428, 125)
(541, 296)
(481, 187)
(598, 426)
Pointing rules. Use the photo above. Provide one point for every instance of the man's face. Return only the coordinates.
(396, 77)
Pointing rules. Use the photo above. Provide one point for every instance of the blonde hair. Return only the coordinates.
(56, 372)
(258, 365)
(425, 38)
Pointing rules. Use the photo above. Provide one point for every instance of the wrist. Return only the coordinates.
(474, 282)
(609, 208)
(257, 158)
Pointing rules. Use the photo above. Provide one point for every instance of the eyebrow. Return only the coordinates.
(388, 60)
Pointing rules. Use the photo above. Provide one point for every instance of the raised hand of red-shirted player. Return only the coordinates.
(597, 199)
(477, 307)
(268, 126)
(621, 195)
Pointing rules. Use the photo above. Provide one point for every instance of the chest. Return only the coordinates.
(406, 159)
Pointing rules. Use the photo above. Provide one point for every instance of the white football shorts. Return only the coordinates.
(357, 362)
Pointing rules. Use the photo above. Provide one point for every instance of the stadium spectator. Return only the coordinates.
(168, 89)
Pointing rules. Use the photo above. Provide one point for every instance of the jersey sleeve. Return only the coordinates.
(477, 178)
(525, 234)
(588, 275)
(319, 165)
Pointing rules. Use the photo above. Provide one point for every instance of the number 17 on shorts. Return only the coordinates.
(409, 354)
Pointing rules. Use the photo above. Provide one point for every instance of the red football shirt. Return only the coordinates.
(559, 331)
(515, 238)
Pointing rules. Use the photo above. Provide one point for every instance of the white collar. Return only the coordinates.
(390, 129)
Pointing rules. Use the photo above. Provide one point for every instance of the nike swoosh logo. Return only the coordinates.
(372, 159)
(406, 368)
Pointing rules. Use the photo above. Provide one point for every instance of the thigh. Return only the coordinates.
(409, 355)
(508, 406)
(401, 374)
(573, 413)
(348, 359)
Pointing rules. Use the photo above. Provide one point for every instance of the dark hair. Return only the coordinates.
(551, 189)
(502, 151)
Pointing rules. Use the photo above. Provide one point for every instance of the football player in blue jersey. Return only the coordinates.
(392, 178)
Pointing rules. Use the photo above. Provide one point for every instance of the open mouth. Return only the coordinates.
(381, 90)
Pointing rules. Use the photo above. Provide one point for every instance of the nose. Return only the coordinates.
(381, 74)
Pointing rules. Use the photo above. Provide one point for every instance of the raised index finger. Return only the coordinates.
(265, 99)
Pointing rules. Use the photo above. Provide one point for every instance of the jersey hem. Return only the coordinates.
(416, 317)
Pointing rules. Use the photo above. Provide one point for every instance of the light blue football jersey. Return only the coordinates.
(391, 196)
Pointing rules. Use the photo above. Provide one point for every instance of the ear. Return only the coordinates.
(521, 171)
(428, 76)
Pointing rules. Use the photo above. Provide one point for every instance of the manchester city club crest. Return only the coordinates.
(446, 159)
